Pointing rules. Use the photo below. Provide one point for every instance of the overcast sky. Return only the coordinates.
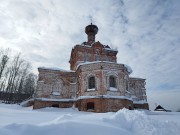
(145, 32)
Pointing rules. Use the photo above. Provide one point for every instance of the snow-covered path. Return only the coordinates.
(16, 120)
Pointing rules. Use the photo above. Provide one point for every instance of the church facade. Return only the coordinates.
(95, 81)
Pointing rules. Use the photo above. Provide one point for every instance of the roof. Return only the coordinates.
(135, 78)
(55, 69)
(159, 108)
(93, 62)
(58, 100)
(89, 45)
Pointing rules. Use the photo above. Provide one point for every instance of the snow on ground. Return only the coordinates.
(17, 120)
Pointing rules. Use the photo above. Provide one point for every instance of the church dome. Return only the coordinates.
(91, 29)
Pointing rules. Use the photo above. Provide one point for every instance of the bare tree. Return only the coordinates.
(17, 82)
(24, 71)
(3, 61)
(13, 72)
(30, 84)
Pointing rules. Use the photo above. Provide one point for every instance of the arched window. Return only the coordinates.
(112, 81)
(91, 82)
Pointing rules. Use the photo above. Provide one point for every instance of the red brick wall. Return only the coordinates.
(141, 106)
(105, 104)
(42, 104)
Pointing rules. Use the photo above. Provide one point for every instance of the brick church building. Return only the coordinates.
(95, 81)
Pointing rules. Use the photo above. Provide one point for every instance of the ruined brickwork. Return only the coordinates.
(96, 82)
(137, 88)
(43, 104)
(56, 84)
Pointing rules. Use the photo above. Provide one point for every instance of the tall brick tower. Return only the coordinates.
(91, 50)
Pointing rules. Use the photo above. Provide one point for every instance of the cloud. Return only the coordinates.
(146, 34)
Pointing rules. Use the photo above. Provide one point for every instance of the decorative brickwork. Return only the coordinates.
(95, 52)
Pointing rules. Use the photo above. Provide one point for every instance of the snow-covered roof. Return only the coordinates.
(85, 45)
(53, 99)
(83, 97)
(92, 62)
(55, 68)
(140, 102)
(135, 78)
(106, 47)
(129, 69)
(105, 96)
(111, 49)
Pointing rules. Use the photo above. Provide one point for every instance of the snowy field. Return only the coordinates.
(17, 120)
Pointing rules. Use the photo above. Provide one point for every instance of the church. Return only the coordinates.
(94, 83)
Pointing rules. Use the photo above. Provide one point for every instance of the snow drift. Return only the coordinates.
(54, 121)
(137, 122)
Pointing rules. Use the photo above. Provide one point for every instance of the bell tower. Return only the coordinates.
(91, 50)
(91, 31)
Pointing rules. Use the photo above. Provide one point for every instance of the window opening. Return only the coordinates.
(90, 106)
(112, 81)
(92, 82)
